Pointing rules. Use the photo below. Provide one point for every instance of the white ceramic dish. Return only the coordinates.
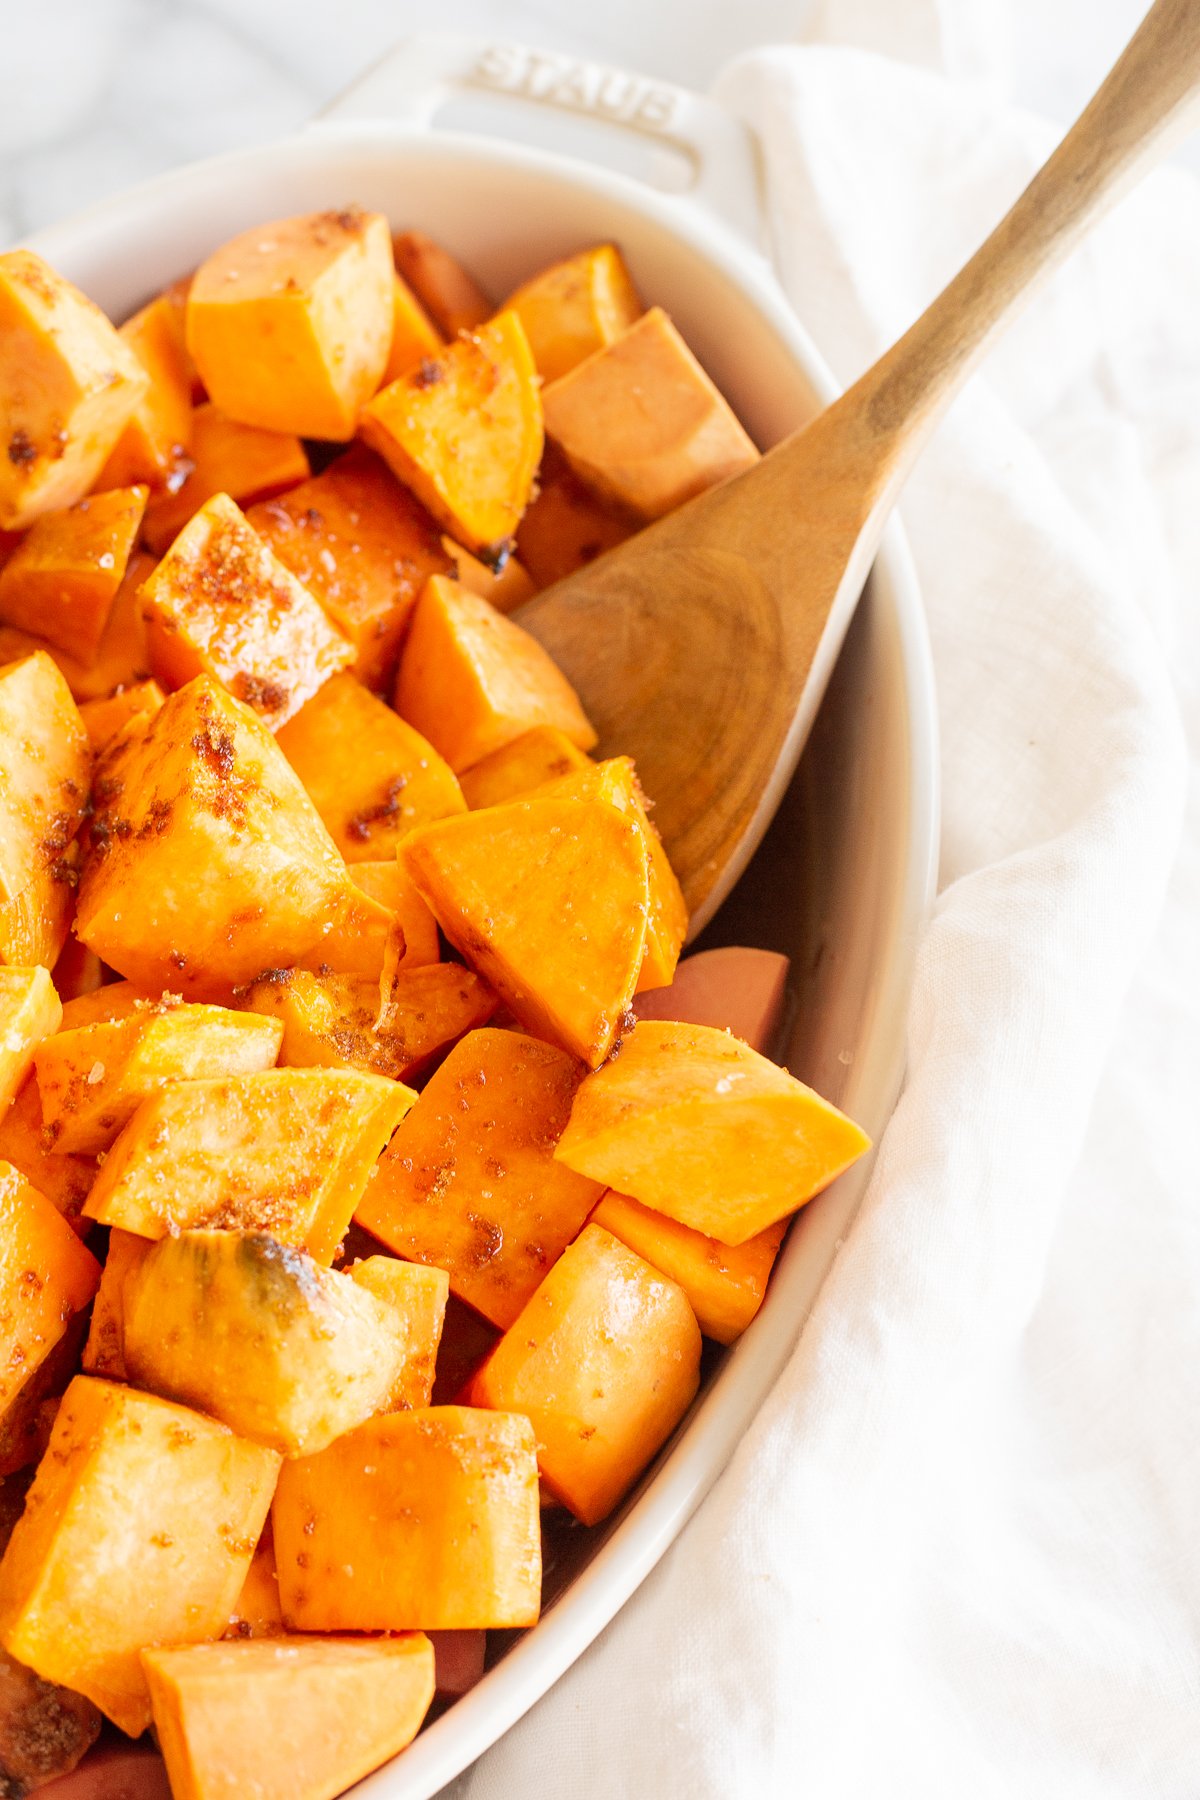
(844, 879)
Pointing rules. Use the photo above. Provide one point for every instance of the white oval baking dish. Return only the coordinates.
(844, 879)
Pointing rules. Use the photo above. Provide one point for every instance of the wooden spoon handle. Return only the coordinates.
(1130, 122)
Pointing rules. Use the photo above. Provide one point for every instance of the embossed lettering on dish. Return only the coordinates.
(582, 86)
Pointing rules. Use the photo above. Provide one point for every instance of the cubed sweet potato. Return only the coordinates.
(150, 1510)
(549, 900)
(725, 1285)
(103, 719)
(414, 333)
(286, 1718)
(400, 933)
(370, 774)
(112, 1000)
(469, 1183)
(153, 446)
(450, 295)
(92, 1080)
(287, 1152)
(642, 424)
(207, 862)
(363, 546)
(30, 1011)
(65, 1180)
(565, 526)
(472, 680)
(697, 1125)
(417, 1297)
(225, 457)
(44, 1729)
(417, 1520)
(122, 658)
(527, 762)
(575, 307)
(395, 1028)
(104, 1351)
(465, 432)
(61, 581)
(257, 1613)
(44, 780)
(604, 1361)
(290, 323)
(28, 1420)
(46, 1277)
(70, 386)
(734, 988)
(221, 603)
(504, 582)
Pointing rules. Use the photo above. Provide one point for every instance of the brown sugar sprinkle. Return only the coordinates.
(427, 373)
(383, 812)
(258, 692)
(21, 449)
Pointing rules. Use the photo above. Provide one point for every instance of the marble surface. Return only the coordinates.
(96, 94)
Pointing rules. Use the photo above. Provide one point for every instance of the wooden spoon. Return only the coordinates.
(703, 645)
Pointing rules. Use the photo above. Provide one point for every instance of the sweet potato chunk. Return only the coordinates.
(641, 423)
(472, 680)
(221, 603)
(459, 1659)
(44, 1729)
(46, 1276)
(207, 862)
(417, 1520)
(286, 1719)
(104, 1351)
(61, 581)
(283, 1351)
(549, 900)
(575, 307)
(27, 1421)
(92, 1080)
(725, 1286)
(450, 295)
(288, 1152)
(44, 779)
(30, 1010)
(469, 1182)
(70, 386)
(257, 1613)
(153, 446)
(290, 324)
(103, 719)
(369, 774)
(114, 1000)
(414, 333)
(465, 432)
(363, 546)
(617, 782)
(417, 1297)
(565, 526)
(151, 1511)
(122, 657)
(504, 583)
(65, 1180)
(604, 1361)
(225, 457)
(700, 1127)
(401, 933)
(529, 761)
(347, 1022)
(735, 988)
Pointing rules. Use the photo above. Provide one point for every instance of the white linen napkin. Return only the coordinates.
(956, 1554)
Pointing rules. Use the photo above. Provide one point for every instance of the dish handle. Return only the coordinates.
(668, 136)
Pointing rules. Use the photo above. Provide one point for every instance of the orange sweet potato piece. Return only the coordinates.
(92, 1080)
(347, 1022)
(64, 1180)
(257, 1613)
(402, 933)
(641, 423)
(225, 457)
(103, 719)
(538, 756)
(734, 988)
(44, 778)
(469, 1182)
(28, 1420)
(220, 602)
(151, 1511)
(549, 900)
(450, 295)
(112, 1000)
(201, 811)
(342, 1706)
(104, 1351)
(287, 1152)
(46, 1276)
(604, 1361)
(459, 1660)
(417, 1297)
(472, 680)
(725, 1286)
(417, 1520)
(122, 658)
(506, 583)
(30, 1010)
(369, 774)
(695, 1124)
(363, 546)
(44, 1729)
(565, 526)
(153, 446)
(70, 386)
(465, 432)
(60, 583)
(283, 1351)
(414, 334)
(78, 970)
(575, 307)
(290, 323)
